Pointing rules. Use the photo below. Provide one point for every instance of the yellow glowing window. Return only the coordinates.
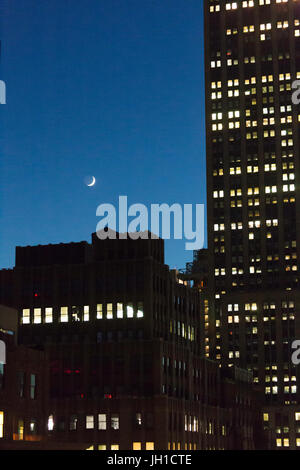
(101, 447)
(149, 445)
(109, 315)
(21, 430)
(64, 316)
(26, 316)
(99, 311)
(137, 446)
(1, 424)
(119, 310)
(278, 442)
(114, 447)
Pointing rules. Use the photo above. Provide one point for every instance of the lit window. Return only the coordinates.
(33, 426)
(37, 315)
(64, 316)
(89, 422)
(75, 315)
(26, 316)
(20, 429)
(86, 313)
(140, 312)
(119, 310)
(137, 446)
(1, 424)
(49, 315)
(109, 315)
(149, 445)
(99, 311)
(279, 442)
(102, 422)
(115, 421)
(50, 423)
(138, 419)
(129, 311)
(114, 447)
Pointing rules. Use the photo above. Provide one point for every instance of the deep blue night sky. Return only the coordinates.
(111, 88)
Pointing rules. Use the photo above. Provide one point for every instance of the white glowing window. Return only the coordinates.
(37, 315)
(86, 313)
(49, 315)
(26, 316)
(109, 313)
(140, 311)
(64, 315)
(119, 310)
(75, 314)
(129, 311)
(102, 422)
(89, 422)
(50, 423)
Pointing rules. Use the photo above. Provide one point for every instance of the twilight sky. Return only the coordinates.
(111, 88)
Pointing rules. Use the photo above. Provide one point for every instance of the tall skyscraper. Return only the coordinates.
(253, 183)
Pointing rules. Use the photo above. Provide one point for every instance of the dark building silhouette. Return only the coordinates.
(21, 386)
(123, 343)
(252, 53)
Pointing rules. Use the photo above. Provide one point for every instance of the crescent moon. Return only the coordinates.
(92, 182)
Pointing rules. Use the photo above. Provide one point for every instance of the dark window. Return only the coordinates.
(21, 384)
(73, 423)
(1, 376)
(32, 386)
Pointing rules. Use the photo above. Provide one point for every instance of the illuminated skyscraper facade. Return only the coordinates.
(253, 183)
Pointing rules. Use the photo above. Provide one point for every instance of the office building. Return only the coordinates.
(122, 336)
(252, 51)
